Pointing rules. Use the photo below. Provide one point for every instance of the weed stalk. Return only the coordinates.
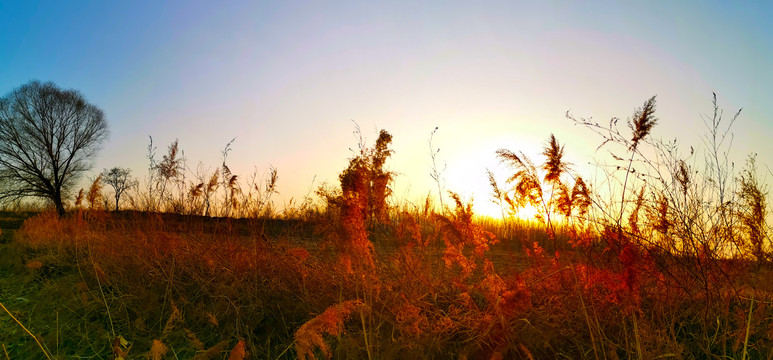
(748, 325)
(25, 329)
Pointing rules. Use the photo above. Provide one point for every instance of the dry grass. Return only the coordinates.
(357, 278)
(202, 291)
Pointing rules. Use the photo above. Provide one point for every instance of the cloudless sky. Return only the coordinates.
(287, 79)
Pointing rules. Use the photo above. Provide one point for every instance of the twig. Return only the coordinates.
(285, 350)
(748, 324)
(25, 329)
(365, 333)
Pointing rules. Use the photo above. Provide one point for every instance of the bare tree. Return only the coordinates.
(120, 180)
(48, 137)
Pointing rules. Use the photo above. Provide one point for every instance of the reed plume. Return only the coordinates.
(157, 350)
(195, 191)
(95, 192)
(528, 190)
(209, 190)
(465, 241)
(499, 196)
(753, 211)
(79, 199)
(643, 121)
(331, 322)
(581, 196)
(171, 165)
(554, 165)
(238, 352)
(546, 195)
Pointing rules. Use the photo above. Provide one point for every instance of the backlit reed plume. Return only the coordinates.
(643, 121)
(641, 125)
(79, 199)
(94, 195)
(527, 184)
(549, 194)
(554, 165)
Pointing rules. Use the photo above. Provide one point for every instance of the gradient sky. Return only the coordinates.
(287, 79)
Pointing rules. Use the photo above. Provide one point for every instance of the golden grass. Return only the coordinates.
(424, 282)
(310, 335)
(529, 306)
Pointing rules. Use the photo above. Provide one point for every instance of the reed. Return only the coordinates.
(214, 271)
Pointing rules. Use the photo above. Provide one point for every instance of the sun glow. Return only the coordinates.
(466, 175)
(489, 209)
(474, 186)
(527, 212)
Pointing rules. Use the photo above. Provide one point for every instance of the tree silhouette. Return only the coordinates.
(48, 137)
(120, 180)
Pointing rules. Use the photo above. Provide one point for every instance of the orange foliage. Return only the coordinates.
(465, 241)
(331, 321)
(299, 253)
(238, 352)
(47, 229)
(410, 319)
(157, 350)
(34, 265)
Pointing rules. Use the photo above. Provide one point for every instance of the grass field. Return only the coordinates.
(671, 262)
(189, 287)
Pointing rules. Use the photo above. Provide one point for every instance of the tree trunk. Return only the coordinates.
(57, 198)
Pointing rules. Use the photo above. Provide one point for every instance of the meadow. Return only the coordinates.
(665, 256)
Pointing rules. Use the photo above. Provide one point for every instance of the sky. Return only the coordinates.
(289, 80)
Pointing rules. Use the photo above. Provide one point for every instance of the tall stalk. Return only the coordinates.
(643, 121)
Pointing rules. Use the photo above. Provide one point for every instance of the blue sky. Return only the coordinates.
(287, 79)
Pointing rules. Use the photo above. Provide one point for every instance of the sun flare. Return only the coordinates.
(476, 188)
(467, 176)
(489, 209)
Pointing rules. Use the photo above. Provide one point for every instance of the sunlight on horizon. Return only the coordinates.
(493, 211)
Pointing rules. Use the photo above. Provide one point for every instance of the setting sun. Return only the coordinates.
(493, 211)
